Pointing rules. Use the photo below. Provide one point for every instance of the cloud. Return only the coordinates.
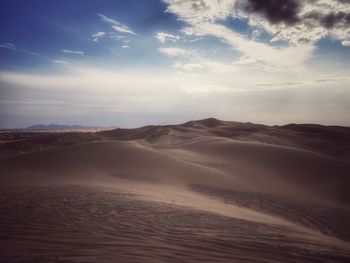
(214, 67)
(346, 43)
(174, 51)
(205, 89)
(109, 20)
(164, 37)
(295, 21)
(188, 66)
(98, 35)
(291, 56)
(118, 37)
(123, 30)
(203, 18)
(125, 46)
(73, 52)
(58, 61)
(330, 80)
(90, 94)
(8, 46)
(13, 47)
(117, 26)
(298, 21)
(285, 11)
(195, 11)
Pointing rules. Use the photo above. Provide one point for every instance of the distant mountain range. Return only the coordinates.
(55, 127)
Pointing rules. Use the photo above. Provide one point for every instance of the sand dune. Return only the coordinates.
(205, 190)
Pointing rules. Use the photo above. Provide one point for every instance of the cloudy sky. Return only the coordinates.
(130, 62)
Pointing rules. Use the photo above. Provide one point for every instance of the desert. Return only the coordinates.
(202, 191)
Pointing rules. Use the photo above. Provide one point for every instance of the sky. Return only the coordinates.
(130, 63)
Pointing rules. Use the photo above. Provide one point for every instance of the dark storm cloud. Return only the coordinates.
(275, 11)
(288, 12)
(344, 1)
(332, 20)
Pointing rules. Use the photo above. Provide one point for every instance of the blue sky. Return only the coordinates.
(130, 63)
(48, 27)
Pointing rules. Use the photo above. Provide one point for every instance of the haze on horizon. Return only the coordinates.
(132, 63)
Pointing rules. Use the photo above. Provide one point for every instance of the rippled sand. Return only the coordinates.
(93, 224)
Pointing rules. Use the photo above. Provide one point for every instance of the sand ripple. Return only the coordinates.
(90, 224)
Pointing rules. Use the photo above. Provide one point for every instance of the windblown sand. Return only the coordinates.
(203, 191)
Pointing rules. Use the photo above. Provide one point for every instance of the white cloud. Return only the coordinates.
(201, 11)
(8, 46)
(175, 51)
(13, 47)
(118, 37)
(205, 89)
(125, 46)
(87, 92)
(108, 20)
(219, 68)
(188, 66)
(123, 30)
(291, 56)
(202, 17)
(98, 35)
(346, 43)
(58, 61)
(73, 52)
(117, 26)
(215, 67)
(164, 37)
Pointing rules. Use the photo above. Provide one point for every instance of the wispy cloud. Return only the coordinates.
(164, 37)
(117, 37)
(117, 26)
(58, 61)
(205, 89)
(202, 17)
(98, 35)
(215, 67)
(13, 47)
(123, 30)
(8, 46)
(290, 57)
(188, 66)
(73, 52)
(175, 51)
(125, 46)
(108, 20)
(346, 43)
(140, 92)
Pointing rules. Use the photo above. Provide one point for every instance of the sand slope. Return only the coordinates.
(243, 190)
